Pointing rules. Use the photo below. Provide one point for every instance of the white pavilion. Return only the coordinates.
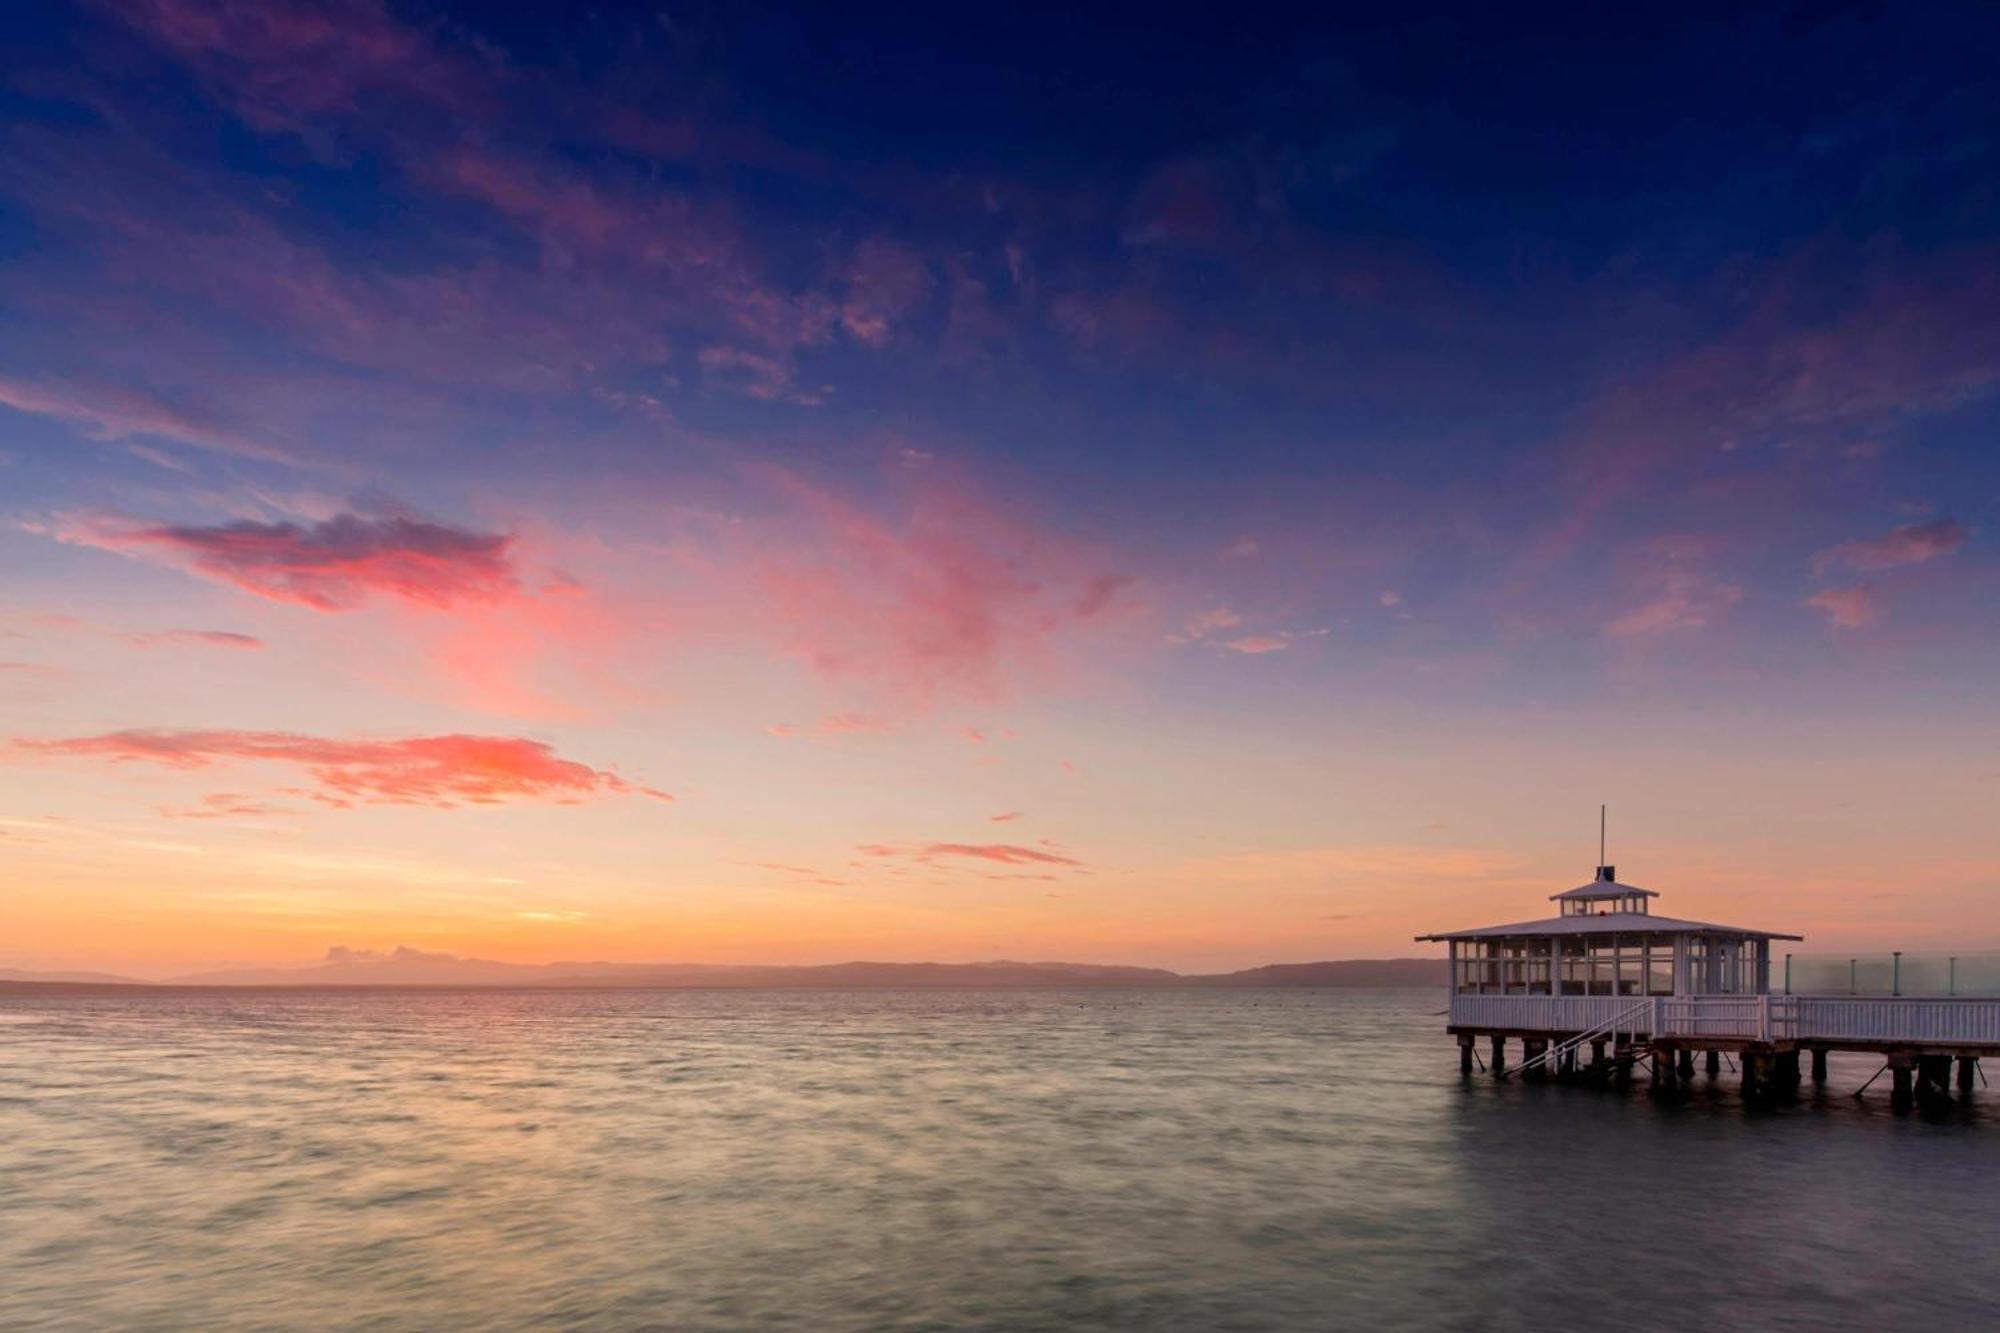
(1608, 972)
(1605, 940)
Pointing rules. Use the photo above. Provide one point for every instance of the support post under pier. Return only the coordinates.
(1499, 1055)
(1968, 1066)
(1753, 1074)
(1819, 1064)
(1901, 1067)
(1934, 1076)
(1465, 1055)
(1714, 1064)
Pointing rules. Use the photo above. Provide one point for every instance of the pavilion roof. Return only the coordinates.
(1602, 888)
(1609, 923)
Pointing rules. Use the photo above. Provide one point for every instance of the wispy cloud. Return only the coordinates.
(115, 411)
(441, 771)
(939, 597)
(1848, 608)
(212, 638)
(1001, 852)
(833, 724)
(1911, 544)
(1676, 594)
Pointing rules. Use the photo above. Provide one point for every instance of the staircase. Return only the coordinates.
(1622, 1021)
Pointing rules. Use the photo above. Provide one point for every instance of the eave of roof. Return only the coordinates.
(1608, 923)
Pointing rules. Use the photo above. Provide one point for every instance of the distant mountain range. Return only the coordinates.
(414, 967)
(68, 978)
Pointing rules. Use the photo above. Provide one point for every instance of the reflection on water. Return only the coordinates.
(905, 1160)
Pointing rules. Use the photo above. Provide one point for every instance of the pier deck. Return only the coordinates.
(1919, 1039)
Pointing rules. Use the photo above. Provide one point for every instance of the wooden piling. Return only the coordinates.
(1499, 1054)
(1465, 1054)
(1686, 1065)
(1968, 1068)
(1819, 1064)
(1714, 1064)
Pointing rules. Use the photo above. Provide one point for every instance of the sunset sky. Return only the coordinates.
(731, 483)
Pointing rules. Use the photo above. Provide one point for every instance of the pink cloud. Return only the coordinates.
(1007, 818)
(213, 638)
(1000, 852)
(1207, 622)
(284, 65)
(1684, 599)
(1257, 643)
(754, 375)
(1911, 544)
(834, 724)
(886, 283)
(226, 805)
(933, 597)
(1848, 608)
(1914, 337)
(442, 771)
(335, 565)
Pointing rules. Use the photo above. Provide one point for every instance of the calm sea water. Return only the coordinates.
(916, 1160)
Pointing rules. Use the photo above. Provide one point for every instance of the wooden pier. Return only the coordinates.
(1608, 977)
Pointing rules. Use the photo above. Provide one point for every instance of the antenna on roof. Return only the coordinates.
(1604, 872)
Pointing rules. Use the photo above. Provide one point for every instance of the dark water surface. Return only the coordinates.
(912, 1160)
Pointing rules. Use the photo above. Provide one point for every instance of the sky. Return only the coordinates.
(1181, 487)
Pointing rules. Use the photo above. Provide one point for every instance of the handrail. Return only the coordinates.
(1611, 1025)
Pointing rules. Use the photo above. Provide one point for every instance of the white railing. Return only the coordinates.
(1540, 1013)
(1974, 1022)
(1752, 1017)
(1741, 1017)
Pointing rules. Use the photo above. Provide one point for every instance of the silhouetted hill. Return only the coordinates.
(414, 967)
(1353, 972)
(72, 978)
